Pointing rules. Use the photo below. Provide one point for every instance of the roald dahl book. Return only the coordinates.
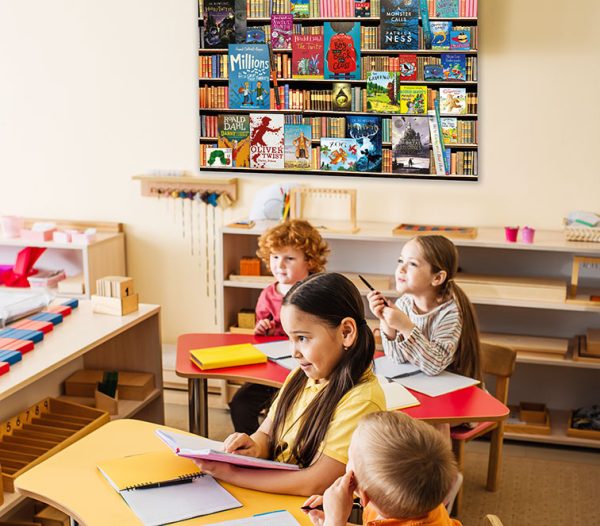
(234, 132)
(266, 141)
(249, 74)
(307, 56)
(281, 31)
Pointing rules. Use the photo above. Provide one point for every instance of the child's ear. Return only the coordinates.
(349, 331)
(439, 278)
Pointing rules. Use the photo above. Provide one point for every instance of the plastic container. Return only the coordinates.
(11, 225)
(511, 233)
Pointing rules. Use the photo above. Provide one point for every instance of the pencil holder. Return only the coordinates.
(11, 226)
(107, 403)
(511, 232)
(527, 234)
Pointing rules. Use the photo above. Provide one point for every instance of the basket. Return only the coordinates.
(580, 233)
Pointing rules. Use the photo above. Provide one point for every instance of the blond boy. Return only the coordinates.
(400, 468)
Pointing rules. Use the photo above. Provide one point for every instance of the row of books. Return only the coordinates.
(454, 130)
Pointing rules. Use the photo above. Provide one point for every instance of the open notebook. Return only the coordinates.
(273, 518)
(189, 446)
(161, 488)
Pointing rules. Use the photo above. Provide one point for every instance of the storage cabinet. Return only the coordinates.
(558, 381)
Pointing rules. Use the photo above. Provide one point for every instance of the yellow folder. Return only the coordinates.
(227, 356)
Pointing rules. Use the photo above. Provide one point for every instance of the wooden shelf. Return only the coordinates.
(324, 112)
(348, 18)
(392, 52)
(151, 185)
(350, 81)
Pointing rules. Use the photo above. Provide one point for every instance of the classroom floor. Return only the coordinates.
(540, 484)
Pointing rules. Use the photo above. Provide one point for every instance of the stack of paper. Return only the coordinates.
(396, 396)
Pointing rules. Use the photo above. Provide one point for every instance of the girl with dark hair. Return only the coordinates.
(312, 420)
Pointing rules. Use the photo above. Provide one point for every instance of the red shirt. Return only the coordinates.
(269, 306)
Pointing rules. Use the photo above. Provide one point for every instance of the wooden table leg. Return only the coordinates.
(495, 461)
(198, 406)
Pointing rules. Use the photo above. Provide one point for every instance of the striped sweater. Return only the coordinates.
(432, 343)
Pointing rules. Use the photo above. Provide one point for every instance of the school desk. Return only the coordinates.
(466, 405)
(71, 482)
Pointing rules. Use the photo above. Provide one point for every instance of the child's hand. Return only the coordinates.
(263, 327)
(377, 303)
(241, 444)
(219, 470)
(338, 499)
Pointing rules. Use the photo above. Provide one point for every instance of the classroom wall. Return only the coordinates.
(92, 93)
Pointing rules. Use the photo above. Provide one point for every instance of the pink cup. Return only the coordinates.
(11, 225)
(527, 234)
(511, 232)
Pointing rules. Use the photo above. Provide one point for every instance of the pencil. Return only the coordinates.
(356, 505)
(371, 288)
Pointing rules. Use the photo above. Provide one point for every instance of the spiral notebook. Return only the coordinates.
(160, 487)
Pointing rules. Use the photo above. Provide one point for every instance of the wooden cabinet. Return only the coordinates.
(560, 382)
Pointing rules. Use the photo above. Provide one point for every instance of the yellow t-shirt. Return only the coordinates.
(366, 397)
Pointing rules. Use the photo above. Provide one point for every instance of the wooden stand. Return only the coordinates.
(107, 403)
(298, 197)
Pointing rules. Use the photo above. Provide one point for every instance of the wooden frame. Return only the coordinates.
(577, 261)
(298, 197)
(155, 186)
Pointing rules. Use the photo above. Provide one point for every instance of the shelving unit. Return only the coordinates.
(103, 257)
(562, 383)
(213, 97)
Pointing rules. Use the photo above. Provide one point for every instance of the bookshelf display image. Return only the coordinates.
(381, 88)
(519, 291)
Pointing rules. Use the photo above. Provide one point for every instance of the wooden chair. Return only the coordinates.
(492, 520)
(498, 361)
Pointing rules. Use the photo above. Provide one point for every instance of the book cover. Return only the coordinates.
(446, 8)
(240, 21)
(300, 8)
(298, 147)
(413, 100)
(255, 35)
(338, 154)
(433, 72)
(281, 31)
(453, 101)
(362, 8)
(218, 157)
(342, 59)
(307, 56)
(249, 75)
(234, 132)
(440, 34)
(424, 11)
(219, 23)
(267, 141)
(227, 356)
(455, 66)
(366, 130)
(399, 24)
(408, 66)
(410, 144)
(341, 96)
(382, 92)
(450, 130)
(460, 39)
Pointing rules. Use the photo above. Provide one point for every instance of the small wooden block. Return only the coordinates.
(132, 385)
(533, 413)
(460, 232)
(240, 330)
(4, 368)
(33, 325)
(115, 306)
(50, 516)
(37, 236)
(246, 319)
(107, 403)
(65, 310)
(250, 266)
(593, 342)
(12, 344)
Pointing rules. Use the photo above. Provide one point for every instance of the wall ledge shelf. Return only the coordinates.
(155, 185)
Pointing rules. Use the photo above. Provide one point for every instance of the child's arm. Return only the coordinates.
(393, 320)
(263, 327)
(337, 503)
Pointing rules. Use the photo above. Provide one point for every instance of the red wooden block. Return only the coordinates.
(65, 310)
(34, 325)
(4, 367)
(12, 344)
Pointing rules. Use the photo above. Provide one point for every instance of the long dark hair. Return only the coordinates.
(330, 298)
(441, 254)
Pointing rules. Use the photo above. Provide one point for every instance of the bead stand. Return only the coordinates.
(299, 196)
(159, 186)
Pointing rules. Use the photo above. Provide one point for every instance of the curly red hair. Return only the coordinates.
(298, 234)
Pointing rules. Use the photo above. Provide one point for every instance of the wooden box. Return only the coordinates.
(515, 424)
(107, 403)
(115, 306)
(240, 330)
(250, 266)
(533, 413)
(593, 342)
(246, 319)
(50, 516)
(581, 433)
(41, 431)
(131, 385)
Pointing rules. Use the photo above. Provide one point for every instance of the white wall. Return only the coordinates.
(94, 92)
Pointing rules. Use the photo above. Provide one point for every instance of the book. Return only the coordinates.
(413, 100)
(307, 56)
(362, 8)
(450, 130)
(383, 92)
(455, 66)
(233, 131)
(218, 157)
(366, 130)
(341, 96)
(281, 31)
(272, 518)
(410, 144)
(219, 23)
(249, 75)
(227, 356)
(433, 72)
(255, 35)
(396, 395)
(298, 146)
(191, 446)
(338, 154)
(446, 8)
(408, 66)
(342, 41)
(160, 488)
(440, 34)
(437, 385)
(299, 8)
(460, 39)
(437, 143)
(399, 24)
(267, 140)
(453, 101)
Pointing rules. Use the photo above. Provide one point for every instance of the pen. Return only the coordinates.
(371, 288)
(173, 482)
(355, 505)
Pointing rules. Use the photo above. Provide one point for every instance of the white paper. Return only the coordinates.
(276, 518)
(202, 496)
(275, 350)
(179, 440)
(396, 395)
(440, 384)
(288, 363)
(390, 369)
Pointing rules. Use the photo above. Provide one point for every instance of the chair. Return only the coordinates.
(498, 361)
(492, 520)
